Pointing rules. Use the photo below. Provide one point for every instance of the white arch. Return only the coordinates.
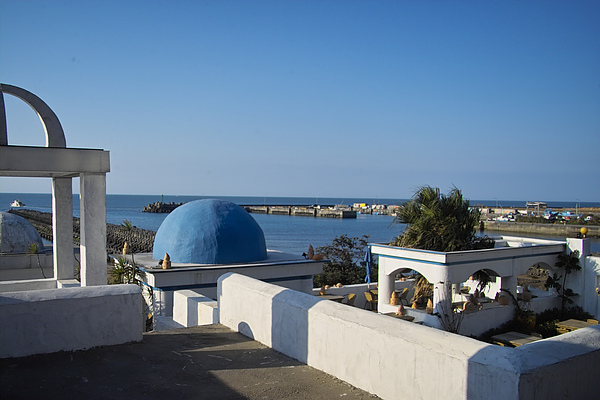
(55, 136)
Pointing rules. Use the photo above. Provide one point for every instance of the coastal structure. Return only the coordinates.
(385, 356)
(62, 164)
(511, 257)
(205, 239)
(60, 313)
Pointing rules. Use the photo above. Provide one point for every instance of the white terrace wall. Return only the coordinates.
(46, 321)
(394, 358)
(591, 285)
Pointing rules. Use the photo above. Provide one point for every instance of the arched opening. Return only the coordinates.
(485, 282)
(536, 277)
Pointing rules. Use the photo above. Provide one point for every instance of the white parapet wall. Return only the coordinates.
(393, 358)
(47, 321)
(191, 308)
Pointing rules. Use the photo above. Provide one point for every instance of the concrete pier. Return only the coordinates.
(302, 211)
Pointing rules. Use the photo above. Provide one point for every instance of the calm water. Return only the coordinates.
(282, 232)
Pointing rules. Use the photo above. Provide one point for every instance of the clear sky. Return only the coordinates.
(315, 98)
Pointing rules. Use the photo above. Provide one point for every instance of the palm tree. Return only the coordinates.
(440, 222)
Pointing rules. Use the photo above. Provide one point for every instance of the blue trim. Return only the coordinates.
(471, 261)
(214, 285)
(205, 267)
(290, 278)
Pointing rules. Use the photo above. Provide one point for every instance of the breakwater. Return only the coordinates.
(565, 230)
(160, 207)
(138, 240)
(303, 211)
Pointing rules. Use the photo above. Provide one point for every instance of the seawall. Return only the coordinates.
(565, 230)
(138, 240)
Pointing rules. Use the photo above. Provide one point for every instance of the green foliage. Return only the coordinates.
(440, 222)
(545, 323)
(126, 226)
(125, 272)
(345, 263)
(484, 279)
(567, 264)
(33, 248)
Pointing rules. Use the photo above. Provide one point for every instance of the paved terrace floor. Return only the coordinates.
(205, 362)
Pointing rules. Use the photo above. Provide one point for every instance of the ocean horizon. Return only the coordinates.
(292, 234)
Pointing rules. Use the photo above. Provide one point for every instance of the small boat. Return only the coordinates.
(17, 203)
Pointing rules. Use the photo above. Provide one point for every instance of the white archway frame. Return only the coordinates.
(60, 163)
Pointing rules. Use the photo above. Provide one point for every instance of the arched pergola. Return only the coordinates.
(442, 269)
(62, 164)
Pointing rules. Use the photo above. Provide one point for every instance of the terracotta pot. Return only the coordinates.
(503, 300)
(394, 300)
(166, 262)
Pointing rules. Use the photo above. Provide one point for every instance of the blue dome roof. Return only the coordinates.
(210, 232)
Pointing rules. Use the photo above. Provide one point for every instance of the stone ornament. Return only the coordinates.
(166, 262)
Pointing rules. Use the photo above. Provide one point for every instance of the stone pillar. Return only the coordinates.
(386, 284)
(456, 295)
(442, 297)
(582, 245)
(509, 283)
(92, 204)
(62, 229)
(576, 280)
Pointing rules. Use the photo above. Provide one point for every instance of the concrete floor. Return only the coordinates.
(207, 362)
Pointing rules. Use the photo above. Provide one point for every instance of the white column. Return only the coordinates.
(385, 282)
(581, 245)
(62, 229)
(576, 280)
(92, 204)
(442, 297)
(509, 283)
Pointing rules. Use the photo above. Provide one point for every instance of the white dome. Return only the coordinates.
(17, 235)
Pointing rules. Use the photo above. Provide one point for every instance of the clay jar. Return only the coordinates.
(394, 300)
(503, 299)
(166, 262)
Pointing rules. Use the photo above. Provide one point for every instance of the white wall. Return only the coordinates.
(22, 285)
(591, 283)
(394, 358)
(46, 321)
(191, 308)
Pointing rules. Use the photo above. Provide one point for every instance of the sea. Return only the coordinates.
(291, 234)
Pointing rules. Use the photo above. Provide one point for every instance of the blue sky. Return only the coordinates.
(315, 98)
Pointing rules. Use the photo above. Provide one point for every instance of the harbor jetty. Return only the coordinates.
(303, 211)
(160, 207)
(138, 240)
